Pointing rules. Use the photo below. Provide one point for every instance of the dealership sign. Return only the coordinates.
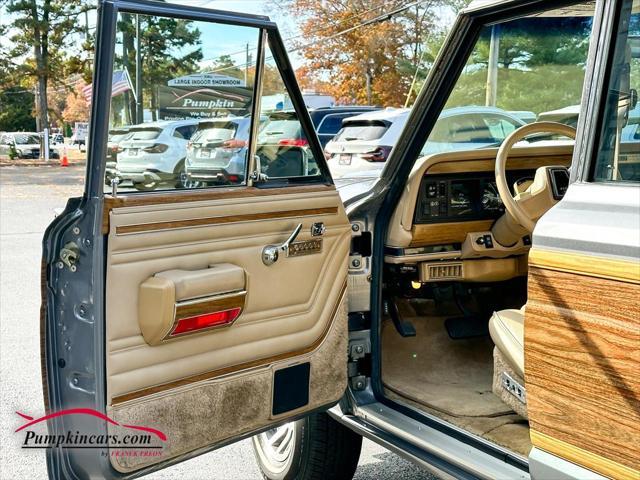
(204, 95)
(206, 80)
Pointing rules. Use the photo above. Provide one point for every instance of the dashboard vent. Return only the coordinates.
(432, 272)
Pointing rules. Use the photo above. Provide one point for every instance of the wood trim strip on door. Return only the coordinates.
(208, 221)
(591, 265)
(200, 195)
(235, 368)
(581, 342)
(582, 457)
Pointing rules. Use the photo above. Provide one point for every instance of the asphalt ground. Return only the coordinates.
(28, 197)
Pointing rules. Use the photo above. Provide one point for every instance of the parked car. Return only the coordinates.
(23, 145)
(154, 153)
(56, 140)
(282, 146)
(569, 116)
(365, 141)
(116, 136)
(328, 120)
(475, 311)
(216, 153)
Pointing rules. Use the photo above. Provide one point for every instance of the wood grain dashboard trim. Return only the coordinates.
(208, 221)
(519, 163)
(235, 368)
(443, 233)
(200, 195)
(595, 266)
(582, 457)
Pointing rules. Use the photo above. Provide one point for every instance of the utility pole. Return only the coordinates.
(246, 66)
(492, 68)
(139, 108)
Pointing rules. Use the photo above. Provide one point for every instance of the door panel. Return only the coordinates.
(204, 388)
(288, 305)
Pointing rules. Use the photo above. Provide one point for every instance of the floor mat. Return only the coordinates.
(449, 379)
(451, 376)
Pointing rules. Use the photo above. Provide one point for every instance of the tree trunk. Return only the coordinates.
(40, 53)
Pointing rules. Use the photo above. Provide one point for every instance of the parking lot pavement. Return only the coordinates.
(28, 196)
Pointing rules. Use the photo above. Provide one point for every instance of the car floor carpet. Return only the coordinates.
(450, 379)
(452, 376)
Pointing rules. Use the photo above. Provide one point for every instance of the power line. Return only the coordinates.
(313, 32)
(380, 18)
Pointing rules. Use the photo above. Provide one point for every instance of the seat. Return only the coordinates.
(507, 332)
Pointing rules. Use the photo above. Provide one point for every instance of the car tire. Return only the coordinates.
(145, 187)
(182, 180)
(313, 448)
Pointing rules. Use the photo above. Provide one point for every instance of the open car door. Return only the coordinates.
(182, 312)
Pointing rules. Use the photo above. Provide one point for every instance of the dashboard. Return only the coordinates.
(462, 197)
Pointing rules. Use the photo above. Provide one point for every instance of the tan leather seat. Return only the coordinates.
(507, 331)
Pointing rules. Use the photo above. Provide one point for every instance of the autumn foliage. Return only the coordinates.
(357, 52)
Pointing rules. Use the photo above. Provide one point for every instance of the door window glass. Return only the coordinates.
(188, 77)
(282, 146)
(618, 156)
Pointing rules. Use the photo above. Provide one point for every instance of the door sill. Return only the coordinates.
(446, 444)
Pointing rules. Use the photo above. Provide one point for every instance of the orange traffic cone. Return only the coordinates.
(65, 161)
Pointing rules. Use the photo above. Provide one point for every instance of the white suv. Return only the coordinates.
(154, 153)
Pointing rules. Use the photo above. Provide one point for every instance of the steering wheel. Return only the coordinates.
(516, 207)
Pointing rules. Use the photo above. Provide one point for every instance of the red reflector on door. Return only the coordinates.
(208, 320)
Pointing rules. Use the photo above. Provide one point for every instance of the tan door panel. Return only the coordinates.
(292, 312)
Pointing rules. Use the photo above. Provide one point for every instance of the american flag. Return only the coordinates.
(120, 84)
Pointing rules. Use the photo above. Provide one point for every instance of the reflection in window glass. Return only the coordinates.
(519, 71)
(189, 81)
(282, 146)
(619, 153)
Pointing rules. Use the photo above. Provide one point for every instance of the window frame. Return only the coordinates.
(596, 101)
(267, 31)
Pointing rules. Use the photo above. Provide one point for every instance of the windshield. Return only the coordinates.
(277, 129)
(26, 139)
(520, 71)
(362, 130)
(145, 134)
(117, 135)
(529, 68)
(216, 133)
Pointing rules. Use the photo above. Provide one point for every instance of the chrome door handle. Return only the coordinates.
(271, 253)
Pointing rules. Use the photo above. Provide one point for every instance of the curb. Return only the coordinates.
(55, 163)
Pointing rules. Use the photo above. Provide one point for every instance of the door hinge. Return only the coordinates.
(359, 365)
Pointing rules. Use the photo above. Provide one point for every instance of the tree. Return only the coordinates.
(541, 64)
(363, 51)
(164, 51)
(42, 32)
(16, 112)
(77, 108)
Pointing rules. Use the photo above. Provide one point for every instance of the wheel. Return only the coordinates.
(145, 187)
(315, 447)
(184, 181)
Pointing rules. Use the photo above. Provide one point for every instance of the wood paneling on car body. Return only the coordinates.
(582, 360)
